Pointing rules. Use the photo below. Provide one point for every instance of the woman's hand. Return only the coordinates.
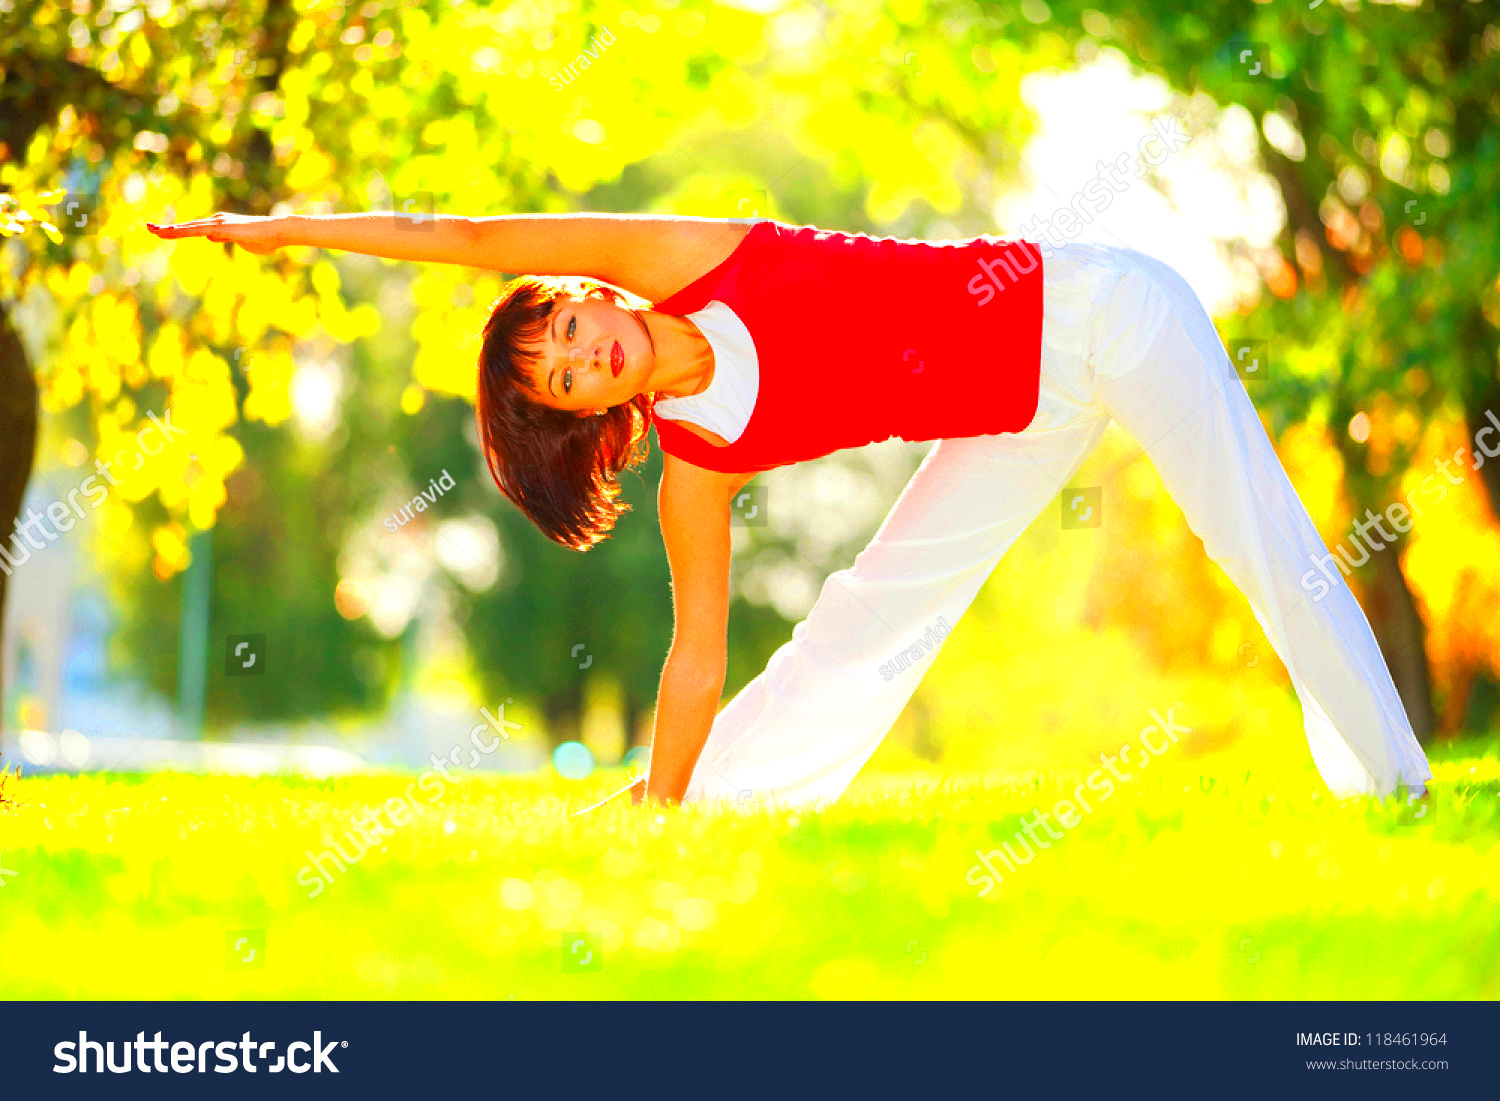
(254, 234)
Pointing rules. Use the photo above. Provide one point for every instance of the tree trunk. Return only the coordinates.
(925, 743)
(1403, 641)
(1388, 604)
(18, 423)
(1456, 706)
(562, 711)
(637, 712)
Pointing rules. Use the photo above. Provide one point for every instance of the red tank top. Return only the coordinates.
(863, 338)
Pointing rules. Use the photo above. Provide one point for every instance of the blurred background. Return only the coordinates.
(282, 549)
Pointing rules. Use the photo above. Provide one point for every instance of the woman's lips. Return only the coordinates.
(616, 359)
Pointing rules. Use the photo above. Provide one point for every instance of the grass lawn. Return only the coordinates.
(1197, 879)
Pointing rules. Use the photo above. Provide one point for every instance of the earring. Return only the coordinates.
(600, 412)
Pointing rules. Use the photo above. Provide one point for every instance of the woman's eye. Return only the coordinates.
(572, 327)
(568, 381)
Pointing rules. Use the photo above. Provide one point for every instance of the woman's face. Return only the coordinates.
(593, 355)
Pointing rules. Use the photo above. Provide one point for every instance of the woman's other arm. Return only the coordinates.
(649, 255)
(694, 508)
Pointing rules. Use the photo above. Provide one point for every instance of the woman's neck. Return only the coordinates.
(684, 359)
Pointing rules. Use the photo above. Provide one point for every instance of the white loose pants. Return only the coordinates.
(1123, 337)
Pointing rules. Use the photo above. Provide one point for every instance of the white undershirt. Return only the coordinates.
(726, 405)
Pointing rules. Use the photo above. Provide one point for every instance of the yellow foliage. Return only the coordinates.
(79, 277)
(1317, 472)
(412, 399)
(448, 351)
(204, 394)
(325, 279)
(363, 320)
(191, 267)
(220, 297)
(204, 501)
(166, 357)
(140, 50)
(170, 542)
(223, 457)
(270, 397)
(62, 386)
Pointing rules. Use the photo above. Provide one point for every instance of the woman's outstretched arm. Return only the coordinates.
(647, 254)
(694, 507)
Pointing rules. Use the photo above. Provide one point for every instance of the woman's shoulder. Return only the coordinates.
(695, 261)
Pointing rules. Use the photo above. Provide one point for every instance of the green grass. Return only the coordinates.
(1195, 880)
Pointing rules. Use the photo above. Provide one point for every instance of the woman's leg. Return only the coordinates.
(801, 729)
(1163, 375)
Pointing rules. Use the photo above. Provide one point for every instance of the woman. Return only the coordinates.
(769, 344)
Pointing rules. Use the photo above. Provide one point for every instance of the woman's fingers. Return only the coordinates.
(219, 228)
(195, 228)
(182, 229)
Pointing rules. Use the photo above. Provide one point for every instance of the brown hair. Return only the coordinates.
(561, 469)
